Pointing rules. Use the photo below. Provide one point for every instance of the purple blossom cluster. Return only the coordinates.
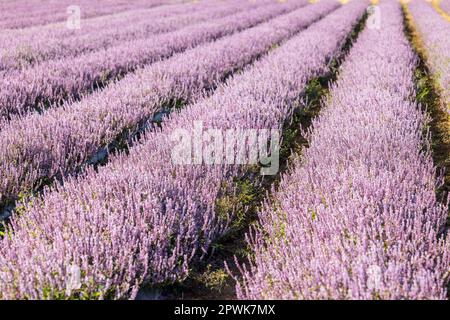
(356, 217)
(445, 5)
(435, 32)
(56, 80)
(23, 49)
(141, 218)
(39, 147)
(28, 13)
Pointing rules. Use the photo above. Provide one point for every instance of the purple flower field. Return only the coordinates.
(224, 149)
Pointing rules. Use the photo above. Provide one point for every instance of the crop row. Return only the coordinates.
(57, 142)
(434, 32)
(24, 14)
(42, 46)
(141, 218)
(88, 25)
(445, 5)
(54, 81)
(357, 216)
